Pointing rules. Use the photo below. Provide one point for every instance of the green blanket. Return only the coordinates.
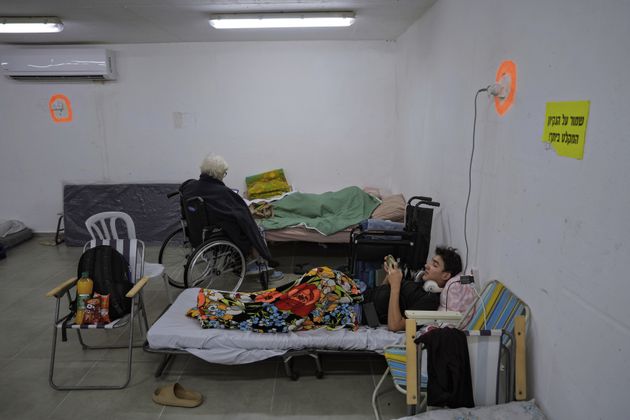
(327, 213)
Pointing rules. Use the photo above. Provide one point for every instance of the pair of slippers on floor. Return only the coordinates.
(176, 395)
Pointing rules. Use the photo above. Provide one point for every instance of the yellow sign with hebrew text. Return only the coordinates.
(565, 127)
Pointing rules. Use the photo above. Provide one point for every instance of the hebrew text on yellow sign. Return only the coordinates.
(565, 127)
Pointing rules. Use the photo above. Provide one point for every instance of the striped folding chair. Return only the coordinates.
(133, 251)
(499, 313)
(396, 358)
(495, 325)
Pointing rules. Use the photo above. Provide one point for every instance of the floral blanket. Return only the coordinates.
(320, 298)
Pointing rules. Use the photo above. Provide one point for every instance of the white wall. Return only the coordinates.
(323, 111)
(554, 229)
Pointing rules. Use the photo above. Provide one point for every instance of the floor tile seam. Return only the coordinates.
(69, 392)
(59, 404)
(21, 318)
(273, 390)
(133, 362)
(26, 347)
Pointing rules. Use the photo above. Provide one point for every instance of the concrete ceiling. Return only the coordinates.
(165, 21)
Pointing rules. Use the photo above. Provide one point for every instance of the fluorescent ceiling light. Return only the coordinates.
(33, 25)
(282, 20)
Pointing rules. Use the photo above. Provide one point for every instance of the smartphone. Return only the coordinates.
(391, 262)
(371, 317)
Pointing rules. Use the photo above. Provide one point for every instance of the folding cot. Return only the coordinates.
(175, 333)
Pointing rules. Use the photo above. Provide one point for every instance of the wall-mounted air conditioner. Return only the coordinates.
(58, 64)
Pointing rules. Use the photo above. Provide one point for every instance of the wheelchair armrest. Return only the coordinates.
(357, 228)
(62, 288)
(423, 317)
(137, 287)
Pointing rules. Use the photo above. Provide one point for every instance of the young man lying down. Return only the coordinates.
(326, 298)
(395, 296)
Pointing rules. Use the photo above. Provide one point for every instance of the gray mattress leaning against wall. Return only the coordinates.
(154, 215)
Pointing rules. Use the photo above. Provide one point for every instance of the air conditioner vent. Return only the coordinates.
(57, 64)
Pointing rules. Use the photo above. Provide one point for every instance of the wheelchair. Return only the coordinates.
(200, 254)
(410, 245)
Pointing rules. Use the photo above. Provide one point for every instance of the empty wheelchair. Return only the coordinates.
(199, 254)
(409, 242)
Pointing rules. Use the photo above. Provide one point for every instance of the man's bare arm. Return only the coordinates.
(395, 320)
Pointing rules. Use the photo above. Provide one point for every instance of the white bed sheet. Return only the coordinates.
(174, 330)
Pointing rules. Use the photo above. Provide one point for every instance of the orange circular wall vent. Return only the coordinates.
(507, 70)
(60, 108)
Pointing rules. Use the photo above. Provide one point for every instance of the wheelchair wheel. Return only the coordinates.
(173, 255)
(216, 264)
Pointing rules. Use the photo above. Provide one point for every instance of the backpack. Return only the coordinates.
(109, 271)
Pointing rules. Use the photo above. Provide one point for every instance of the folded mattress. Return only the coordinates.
(175, 331)
(13, 239)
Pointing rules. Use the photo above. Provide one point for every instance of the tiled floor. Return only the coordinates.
(254, 391)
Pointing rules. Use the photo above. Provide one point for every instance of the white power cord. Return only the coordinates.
(497, 90)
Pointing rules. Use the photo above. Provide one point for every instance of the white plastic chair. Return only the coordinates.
(104, 226)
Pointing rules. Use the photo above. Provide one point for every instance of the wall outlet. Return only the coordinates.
(466, 279)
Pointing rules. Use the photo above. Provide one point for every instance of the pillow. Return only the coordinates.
(373, 191)
(458, 296)
(391, 208)
(266, 185)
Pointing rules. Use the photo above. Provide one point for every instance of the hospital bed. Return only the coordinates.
(174, 333)
(392, 207)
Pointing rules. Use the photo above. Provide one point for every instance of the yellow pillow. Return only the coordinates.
(267, 184)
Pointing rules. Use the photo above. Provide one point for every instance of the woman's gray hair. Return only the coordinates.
(214, 166)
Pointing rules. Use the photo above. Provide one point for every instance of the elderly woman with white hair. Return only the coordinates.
(226, 208)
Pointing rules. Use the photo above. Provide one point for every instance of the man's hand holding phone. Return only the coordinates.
(394, 275)
(390, 264)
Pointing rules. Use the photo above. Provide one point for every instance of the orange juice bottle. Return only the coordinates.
(84, 292)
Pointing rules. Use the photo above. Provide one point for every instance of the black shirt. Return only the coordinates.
(412, 297)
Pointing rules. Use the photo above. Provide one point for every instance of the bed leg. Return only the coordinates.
(319, 371)
(288, 368)
(165, 360)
